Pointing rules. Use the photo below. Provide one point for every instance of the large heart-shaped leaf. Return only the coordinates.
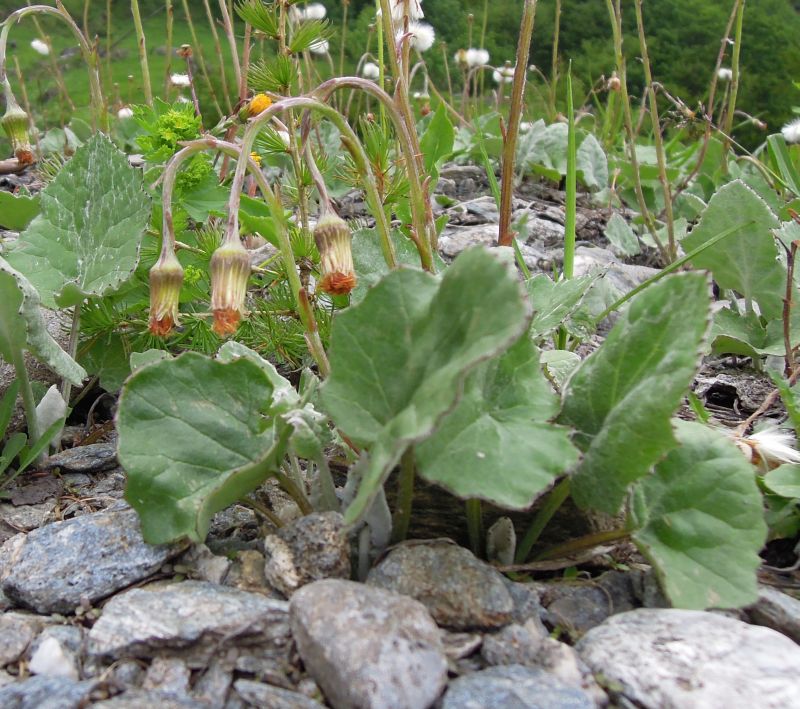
(86, 239)
(496, 444)
(22, 327)
(194, 437)
(747, 260)
(700, 521)
(622, 396)
(399, 357)
(592, 164)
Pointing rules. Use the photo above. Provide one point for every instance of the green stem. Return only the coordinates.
(170, 21)
(262, 509)
(555, 499)
(295, 492)
(475, 525)
(142, 43)
(197, 49)
(571, 186)
(405, 496)
(734, 87)
(581, 543)
(554, 63)
(72, 349)
(28, 402)
(512, 129)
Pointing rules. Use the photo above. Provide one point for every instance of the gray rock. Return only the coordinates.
(311, 548)
(460, 645)
(470, 595)
(91, 458)
(64, 564)
(56, 652)
(16, 633)
(676, 658)
(168, 675)
(526, 602)
(513, 645)
(126, 674)
(213, 685)
(367, 647)
(42, 692)
(201, 564)
(623, 277)
(193, 615)
(26, 517)
(562, 661)
(778, 611)
(513, 687)
(137, 699)
(258, 694)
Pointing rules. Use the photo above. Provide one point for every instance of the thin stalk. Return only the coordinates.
(227, 25)
(555, 498)
(506, 235)
(343, 38)
(586, 542)
(553, 84)
(262, 509)
(28, 402)
(571, 186)
(326, 499)
(474, 515)
(734, 87)
(168, 71)
(313, 340)
(142, 43)
(657, 136)
(246, 49)
(198, 53)
(405, 496)
(218, 49)
(109, 71)
(54, 67)
(297, 494)
(72, 348)
(86, 4)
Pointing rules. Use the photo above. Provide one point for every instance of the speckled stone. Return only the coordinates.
(63, 564)
(91, 458)
(470, 595)
(42, 692)
(367, 647)
(777, 610)
(258, 694)
(16, 634)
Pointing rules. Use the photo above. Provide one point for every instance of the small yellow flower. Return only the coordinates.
(256, 158)
(259, 103)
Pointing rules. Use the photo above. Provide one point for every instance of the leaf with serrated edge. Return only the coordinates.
(86, 239)
(398, 358)
(22, 326)
(496, 444)
(193, 440)
(701, 521)
(622, 396)
(747, 260)
(553, 302)
(592, 164)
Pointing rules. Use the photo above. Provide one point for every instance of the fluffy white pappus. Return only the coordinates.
(371, 70)
(791, 131)
(770, 446)
(477, 57)
(724, 73)
(124, 113)
(320, 47)
(314, 11)
(503, 75)
(40, 47)
(179, 79)
(399, 10)
(422, 35)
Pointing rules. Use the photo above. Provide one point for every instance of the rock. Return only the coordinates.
(513, 687)
(470, 595)
(200, 564)
(62, 565)
(678, 658)
(197, 616)
(526, 602)
(513, 645)
(778, 611)
(43, 692)
(56, 652)
(168, 675)
(92, 458)
(457, 646)
(247, 573)
(311, 548)
(16, 633)
(136, 699)
(562, 661)
(212, 688)
(258, 694)
(367, 647)
(622, 276)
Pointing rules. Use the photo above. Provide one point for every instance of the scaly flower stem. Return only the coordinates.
(506, 236)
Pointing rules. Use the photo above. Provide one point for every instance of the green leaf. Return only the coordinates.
(784, 480)
(554, 302)
(558, 365)
(194, 438)
(22, 327)
(701, 521)
(746, 261)
(17, 212)
(142, 359)
(740, 334)
(436, 143)
(399, 358)
(7, 404)
(779, 152)
(260, 15)
(108, 356)
(623, 395)
(621, 236)
(790, 397)
(592, 165)
(256, 216)
(308, 33)
(86, 239)
(496, 444)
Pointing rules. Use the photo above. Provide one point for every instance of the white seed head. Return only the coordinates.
(774, 446)
(320, 47)
(477, 57)
(314, 11)
(422, 35)
(179, 79)
(370, 70)
(791, 131)
(40, 47)
(399, 10)
(503, 75)
(724, 73)
(124, 113)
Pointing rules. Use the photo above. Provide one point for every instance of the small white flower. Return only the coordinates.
(314, 11)
(124, 113)
(724, 74)
(40, 47)
(370, 70)
(320, 47)
(791, 131)
(422, 35)
(503, 75)
(179, 79)
(477, 57)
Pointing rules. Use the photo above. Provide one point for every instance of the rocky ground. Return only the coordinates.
(90, 615)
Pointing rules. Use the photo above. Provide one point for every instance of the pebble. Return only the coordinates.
(56, 651)
(470, 595)
(201, 617)
(258, 694)
(139, 699)
(311, 548)
(26, 517)
(677, 658)
(91, 458)
(367, 647)
(43, 692)
(778, 611)
(513, 687)
(16, 633)
(62, 565)
(168, 675)
(513, 645)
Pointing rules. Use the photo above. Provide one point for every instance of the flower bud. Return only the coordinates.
(15, 124)
(230, 272)
(332, 236)
(166, 279)
(614, 84)
(257, 104)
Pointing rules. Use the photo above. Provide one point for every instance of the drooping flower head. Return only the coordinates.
(259, 103)
(179, 80)
(15, 124)
(503, 75)
(477, 57)
(399, 10)
(230, 272)
(768, 447)
(332, 236)
(166, 280)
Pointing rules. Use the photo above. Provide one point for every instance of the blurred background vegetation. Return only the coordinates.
(683, 39)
